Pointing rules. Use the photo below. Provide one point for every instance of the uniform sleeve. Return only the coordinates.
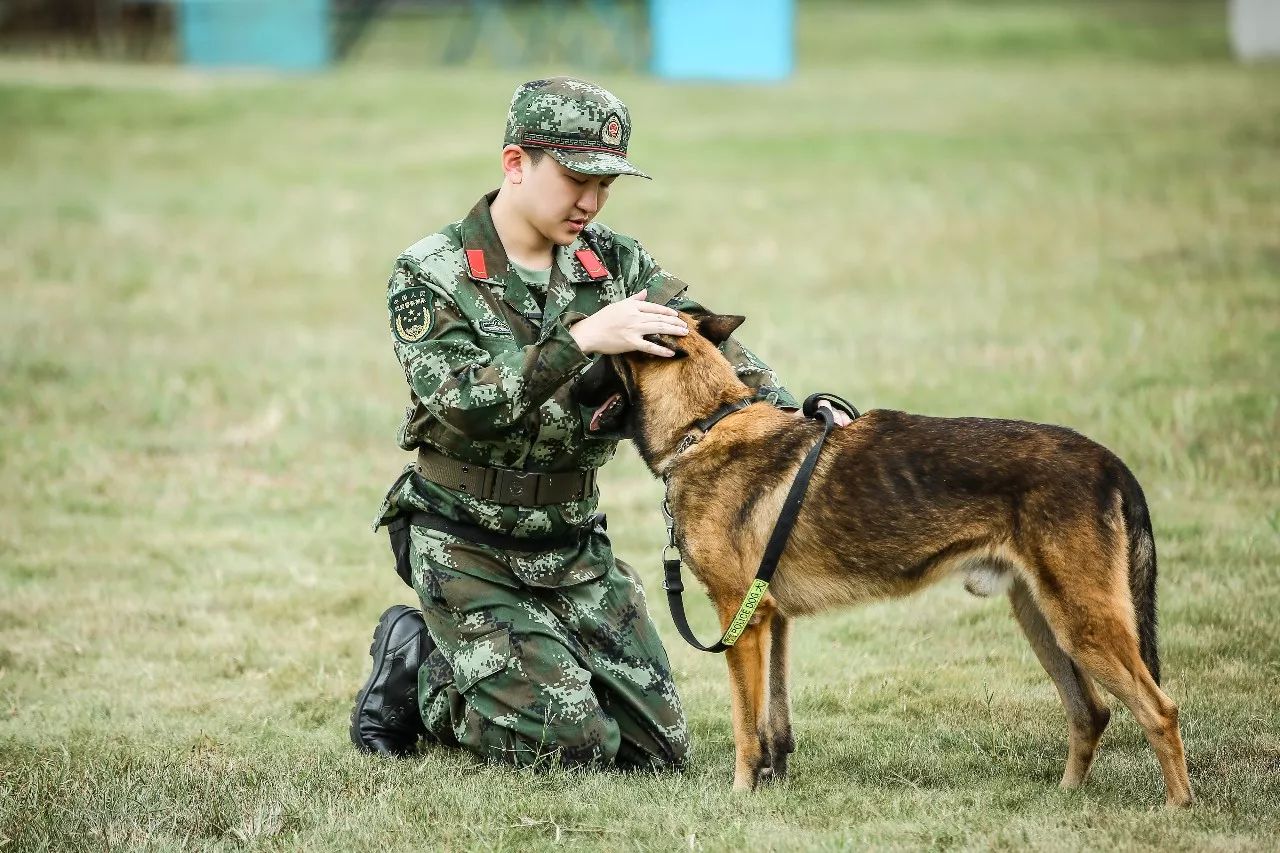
(757, 375)
(467, 389)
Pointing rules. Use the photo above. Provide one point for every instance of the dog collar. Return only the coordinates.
(723, 412)
(705, 425)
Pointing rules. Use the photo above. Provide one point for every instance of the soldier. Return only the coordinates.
(538, 644)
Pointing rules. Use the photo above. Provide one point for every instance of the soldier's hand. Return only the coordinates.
(838, 415)
(621, 327)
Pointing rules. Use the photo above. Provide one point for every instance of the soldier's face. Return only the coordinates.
(559, 202)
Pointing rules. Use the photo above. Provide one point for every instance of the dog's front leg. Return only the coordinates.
(779, 740)
(748, 679)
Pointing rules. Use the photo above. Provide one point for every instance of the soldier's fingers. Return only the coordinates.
(653, 328)
(838, 416)
(661, 327)
(650, 323)
(655, 308)
(640, 344)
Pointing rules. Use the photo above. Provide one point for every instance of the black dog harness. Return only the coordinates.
(777, 540)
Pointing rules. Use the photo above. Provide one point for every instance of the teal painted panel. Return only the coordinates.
(290, 35)
(722, 39)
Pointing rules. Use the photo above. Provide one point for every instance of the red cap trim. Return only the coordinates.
(601, 148)
(552, 142)
(475, 260)
(591, 263)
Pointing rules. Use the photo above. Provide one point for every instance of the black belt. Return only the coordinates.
(506, 485)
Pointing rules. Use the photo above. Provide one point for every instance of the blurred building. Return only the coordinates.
(676, 39)
(1255, 29)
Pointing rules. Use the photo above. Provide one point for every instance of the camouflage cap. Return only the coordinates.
(584, 127)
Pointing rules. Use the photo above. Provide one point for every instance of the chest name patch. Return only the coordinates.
(411, 314)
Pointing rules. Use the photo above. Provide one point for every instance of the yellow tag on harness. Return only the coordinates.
(749, 604)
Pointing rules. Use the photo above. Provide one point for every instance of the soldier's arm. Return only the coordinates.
(463, 386)
(751, 369)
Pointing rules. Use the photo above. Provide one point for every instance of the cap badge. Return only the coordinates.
(611, 132)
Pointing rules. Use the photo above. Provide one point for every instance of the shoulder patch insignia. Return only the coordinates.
(411, 314)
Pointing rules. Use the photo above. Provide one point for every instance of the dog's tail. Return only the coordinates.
(1142, 567)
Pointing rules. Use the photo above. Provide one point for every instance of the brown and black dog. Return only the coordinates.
(897, 502)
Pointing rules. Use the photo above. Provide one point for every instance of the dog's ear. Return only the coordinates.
(671, 342)
(718, 327)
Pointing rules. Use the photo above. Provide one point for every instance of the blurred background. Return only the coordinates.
(749, 39)
(1053, 211)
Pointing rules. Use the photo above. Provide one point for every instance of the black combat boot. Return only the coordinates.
(386, 717)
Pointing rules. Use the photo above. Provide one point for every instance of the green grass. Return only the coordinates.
(951, 209)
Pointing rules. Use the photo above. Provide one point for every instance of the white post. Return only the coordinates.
(1255, 29)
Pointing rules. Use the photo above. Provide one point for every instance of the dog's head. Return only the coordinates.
(614, 387)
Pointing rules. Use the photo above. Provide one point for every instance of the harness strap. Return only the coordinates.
(787, 517)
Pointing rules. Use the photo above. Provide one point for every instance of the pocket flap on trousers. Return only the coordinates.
(568, 566)
(480, 658)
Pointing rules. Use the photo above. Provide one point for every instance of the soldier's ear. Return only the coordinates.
(718, 327)
(512, 165)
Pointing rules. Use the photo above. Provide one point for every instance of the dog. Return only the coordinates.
(897, 502)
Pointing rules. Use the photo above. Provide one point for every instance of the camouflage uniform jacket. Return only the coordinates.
(491, 370)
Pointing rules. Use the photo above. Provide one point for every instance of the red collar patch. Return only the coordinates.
(591, 264)
(475, 262)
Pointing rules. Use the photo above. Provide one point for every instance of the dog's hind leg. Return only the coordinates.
(779, 739)
(1095, 623)
(1118, 666)
(1087, 715)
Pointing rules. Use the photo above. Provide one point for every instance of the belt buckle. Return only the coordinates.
(521, 487)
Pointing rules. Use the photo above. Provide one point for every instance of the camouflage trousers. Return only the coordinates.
(546, 657)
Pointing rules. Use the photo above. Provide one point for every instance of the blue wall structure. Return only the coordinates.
(291, 35)
(723, 39)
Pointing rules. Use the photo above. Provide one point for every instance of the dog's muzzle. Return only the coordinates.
(603, 398)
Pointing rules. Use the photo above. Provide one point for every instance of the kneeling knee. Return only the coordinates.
(681, 753)
(676, 750)
(593, 741)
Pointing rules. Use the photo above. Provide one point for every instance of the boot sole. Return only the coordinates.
(377, 651)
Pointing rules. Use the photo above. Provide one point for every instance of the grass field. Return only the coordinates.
(1067, 213)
